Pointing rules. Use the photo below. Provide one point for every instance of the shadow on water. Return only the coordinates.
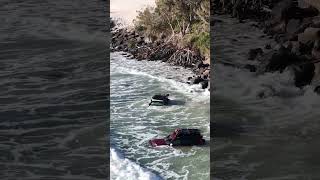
(172, 103)
(187, 149)
(184, 149)
(225, 129)
(177, 103)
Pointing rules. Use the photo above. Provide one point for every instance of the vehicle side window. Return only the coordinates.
(176, 141)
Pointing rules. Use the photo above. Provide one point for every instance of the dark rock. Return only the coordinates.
(140, 43)
(204, 84)
(196, 80)
(317, 90)
(261, 95)
(268, 46)
(133, 43)
(282, 59)
(303, 74)
(306, 48)
(203, 76)
(253, 53)
(199, 64)
(163, 36)
(158, 43)
(121, 47)
(293, 26)
(280, 38)
(294, 37)
(297, 13)
(250, 67)
(206, 65)
(254, 25)
(305, 24)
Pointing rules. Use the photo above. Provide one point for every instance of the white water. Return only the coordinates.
(281, 127)
(242, 86)
(124, 169)
(133, 123)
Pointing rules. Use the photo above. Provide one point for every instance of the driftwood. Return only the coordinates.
(184, 57)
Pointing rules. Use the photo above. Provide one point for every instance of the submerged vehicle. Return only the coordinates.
(160, 99)
(180, 137)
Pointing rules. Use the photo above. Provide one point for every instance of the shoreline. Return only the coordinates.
(140, 48)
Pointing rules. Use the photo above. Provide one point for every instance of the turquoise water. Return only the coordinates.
(133, 123)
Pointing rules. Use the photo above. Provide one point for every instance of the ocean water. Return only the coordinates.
(53, 90)
(279, 132)
(133, 123)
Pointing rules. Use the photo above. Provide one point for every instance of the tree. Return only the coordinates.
(185, 22)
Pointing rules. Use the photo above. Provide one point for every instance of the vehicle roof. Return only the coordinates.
(188, 131)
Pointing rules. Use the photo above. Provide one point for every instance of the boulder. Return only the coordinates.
(196, 80)
(309, 34)
(303, 74)
(316, 50)
(268, 46)
(253, 53)
(306, 48)
(204, 84)
(250, 67)
(293, 26)
(293, 37)
(317, 90)
(199, 65)
(295, 48)
(315, 22)
(282, 59)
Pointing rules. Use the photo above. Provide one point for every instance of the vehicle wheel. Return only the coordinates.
(203, 141)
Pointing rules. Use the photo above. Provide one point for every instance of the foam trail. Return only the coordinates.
(133, 122)
(173, 76)
(122, 168)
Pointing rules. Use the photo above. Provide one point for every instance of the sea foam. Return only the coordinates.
(123, 168)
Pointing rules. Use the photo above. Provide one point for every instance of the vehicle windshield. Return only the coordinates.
(170, 137)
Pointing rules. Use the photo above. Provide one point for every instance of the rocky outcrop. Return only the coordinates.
(295, 27)
(131, 42)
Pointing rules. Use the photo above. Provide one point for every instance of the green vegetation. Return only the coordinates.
(185, 23)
